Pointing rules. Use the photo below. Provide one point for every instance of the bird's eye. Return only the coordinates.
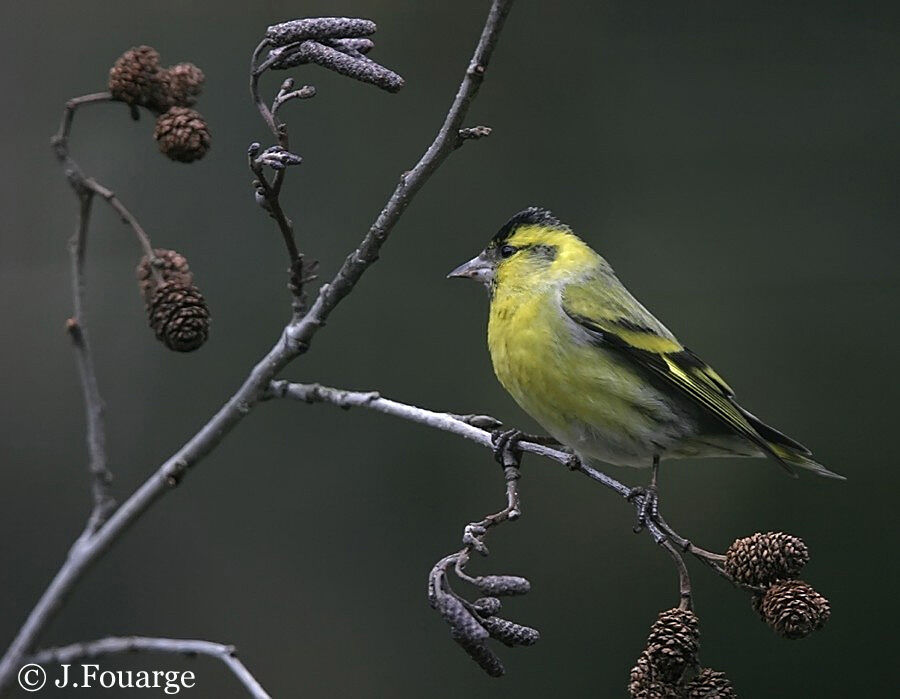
(508, 251)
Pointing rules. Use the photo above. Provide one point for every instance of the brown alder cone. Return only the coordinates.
(170, 266)
(136, 78)
(182, 134)
(761, 559)
(644, 682)
(673, 643)
(178, 315)
(793, 608)
(182, 83)
(710, 684)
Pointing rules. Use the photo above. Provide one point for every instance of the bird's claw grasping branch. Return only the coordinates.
(647, 501)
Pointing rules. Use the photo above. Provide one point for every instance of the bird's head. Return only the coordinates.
(532, 248)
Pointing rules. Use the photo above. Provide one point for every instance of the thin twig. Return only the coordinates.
(293, 342)
(85, 189)
(269, 192)
(130, 644)
(684, 579)
(93, 402)
(78, 180)
(124, 214)
(316, 393)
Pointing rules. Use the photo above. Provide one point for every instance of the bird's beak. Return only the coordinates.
(479, 268)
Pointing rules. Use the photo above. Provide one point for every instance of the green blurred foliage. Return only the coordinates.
(738, 165)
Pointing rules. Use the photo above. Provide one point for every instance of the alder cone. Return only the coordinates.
(178, 315)
(182, 83)
(136, 79)
(171, 266)
(644, 681)
(182, 134)
(710, 684)
(793, 608)
(673, 643)
(761, 559)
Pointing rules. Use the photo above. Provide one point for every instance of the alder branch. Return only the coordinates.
(294, 341)
(115, 645)
(268, 193)
(85, 189)
(101, 477)
(82, 183)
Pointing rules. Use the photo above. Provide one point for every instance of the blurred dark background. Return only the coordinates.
(736, 163)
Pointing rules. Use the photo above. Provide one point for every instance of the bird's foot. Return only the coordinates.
(506, 446)
(648, 509)
(573, 463)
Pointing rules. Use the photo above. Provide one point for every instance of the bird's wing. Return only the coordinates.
(615, 320)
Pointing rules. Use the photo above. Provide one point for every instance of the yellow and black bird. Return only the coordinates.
(595, 368)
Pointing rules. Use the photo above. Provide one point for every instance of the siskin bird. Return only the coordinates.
(595, 368)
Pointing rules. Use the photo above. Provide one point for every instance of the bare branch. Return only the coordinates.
(129, 644)
(79, 181)
(85, 189)
(268, 193)
(93, 403)
(448, 422)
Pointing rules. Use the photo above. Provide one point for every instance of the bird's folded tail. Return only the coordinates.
(786, 450)
(791, 457)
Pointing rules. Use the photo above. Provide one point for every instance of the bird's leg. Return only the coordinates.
(649, 507)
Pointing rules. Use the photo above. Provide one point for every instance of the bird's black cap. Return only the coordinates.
(532, 216)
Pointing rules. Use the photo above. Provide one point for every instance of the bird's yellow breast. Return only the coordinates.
(584, 395)
(523, 339)
(556, 379)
